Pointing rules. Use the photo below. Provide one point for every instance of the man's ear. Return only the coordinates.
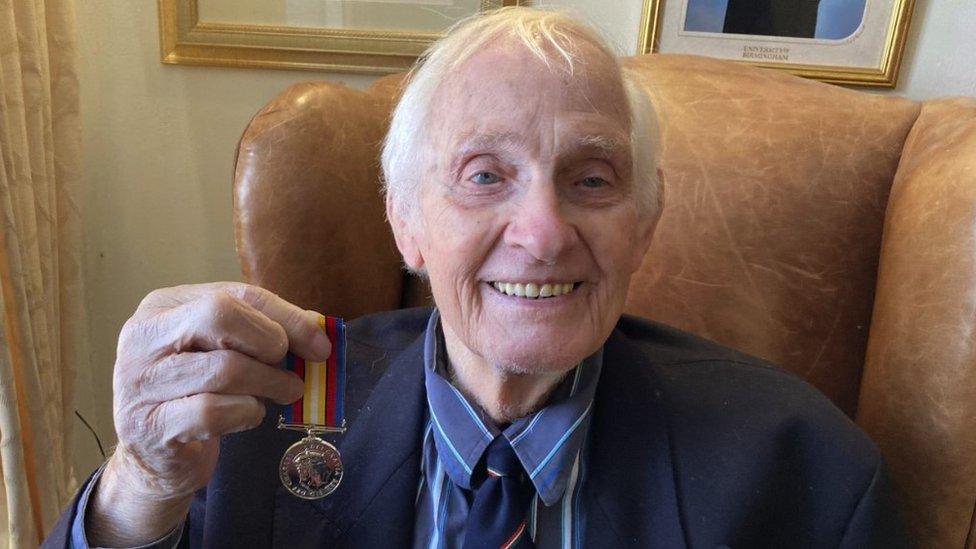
(404, 234)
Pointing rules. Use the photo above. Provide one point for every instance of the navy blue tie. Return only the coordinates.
(497, 516)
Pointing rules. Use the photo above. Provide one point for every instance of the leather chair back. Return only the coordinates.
(773, 231)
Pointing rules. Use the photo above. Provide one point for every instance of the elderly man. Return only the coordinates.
(522, 411)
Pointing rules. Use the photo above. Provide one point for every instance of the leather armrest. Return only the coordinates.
(918, 391)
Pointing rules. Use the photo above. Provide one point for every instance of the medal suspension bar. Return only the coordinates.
(311, 428)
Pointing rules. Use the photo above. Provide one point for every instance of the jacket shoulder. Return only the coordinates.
(746, 437)
(391, 330)
(698, 376)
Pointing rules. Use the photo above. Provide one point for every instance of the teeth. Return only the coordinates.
(532, 290)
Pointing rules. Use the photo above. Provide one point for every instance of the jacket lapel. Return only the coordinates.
(631, 478)
(374, 504)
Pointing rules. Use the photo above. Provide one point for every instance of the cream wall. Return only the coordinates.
(159, 142)
(158, 145)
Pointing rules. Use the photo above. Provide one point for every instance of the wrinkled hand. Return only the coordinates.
(193, 363)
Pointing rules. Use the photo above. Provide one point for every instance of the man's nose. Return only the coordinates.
(540, 224)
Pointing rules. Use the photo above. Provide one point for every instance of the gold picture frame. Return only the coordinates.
(884, 73)
(186, 40)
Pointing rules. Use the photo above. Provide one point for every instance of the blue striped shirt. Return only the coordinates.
(550, 444)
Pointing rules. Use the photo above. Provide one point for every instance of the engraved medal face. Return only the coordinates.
(311, 468)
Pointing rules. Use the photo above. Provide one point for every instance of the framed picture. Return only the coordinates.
(364, 36)
(842, 41)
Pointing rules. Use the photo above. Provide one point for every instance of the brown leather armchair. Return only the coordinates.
(830, 231)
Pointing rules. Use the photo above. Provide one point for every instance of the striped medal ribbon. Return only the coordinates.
(311, 468)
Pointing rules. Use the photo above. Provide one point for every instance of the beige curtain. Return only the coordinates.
(41, 326)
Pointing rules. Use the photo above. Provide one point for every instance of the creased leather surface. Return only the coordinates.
(774, 203)
(918, 396)
(308, 213)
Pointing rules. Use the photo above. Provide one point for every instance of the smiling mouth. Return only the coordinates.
(532, 290)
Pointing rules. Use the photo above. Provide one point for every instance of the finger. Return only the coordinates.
(207, 416)
(306, 338)
(221, 321)
(222, 371)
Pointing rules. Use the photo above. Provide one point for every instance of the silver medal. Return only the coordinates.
(311, 468)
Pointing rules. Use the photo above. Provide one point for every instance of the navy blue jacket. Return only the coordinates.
(693, 445)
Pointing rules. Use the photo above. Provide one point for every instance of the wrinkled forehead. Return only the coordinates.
(506, 88)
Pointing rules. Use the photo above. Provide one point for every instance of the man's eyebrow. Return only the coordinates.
(475, 142)
(504, 140)
(599, 145)
(510, 140)
(603, 144)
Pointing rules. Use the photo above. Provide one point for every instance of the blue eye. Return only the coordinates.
(593, 182)
(485, 178)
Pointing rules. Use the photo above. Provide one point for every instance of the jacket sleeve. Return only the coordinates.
(60, 536)
(69, 532)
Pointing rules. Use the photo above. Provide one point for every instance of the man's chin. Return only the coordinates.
(541, 361)
(554, 346)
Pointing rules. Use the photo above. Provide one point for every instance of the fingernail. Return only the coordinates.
(320, 342)
(298, 390)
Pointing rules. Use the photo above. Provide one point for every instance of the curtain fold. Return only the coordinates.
(41, 325)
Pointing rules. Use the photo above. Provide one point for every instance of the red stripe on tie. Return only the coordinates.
(298, 366)
(515, 536)
(330, 387)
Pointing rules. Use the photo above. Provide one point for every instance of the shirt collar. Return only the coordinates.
(546, 442)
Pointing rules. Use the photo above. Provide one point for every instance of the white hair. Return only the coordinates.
(551, 36)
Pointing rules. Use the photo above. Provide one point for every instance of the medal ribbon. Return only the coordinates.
(325, 382)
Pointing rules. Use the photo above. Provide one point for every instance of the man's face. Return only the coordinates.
(528, 189)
